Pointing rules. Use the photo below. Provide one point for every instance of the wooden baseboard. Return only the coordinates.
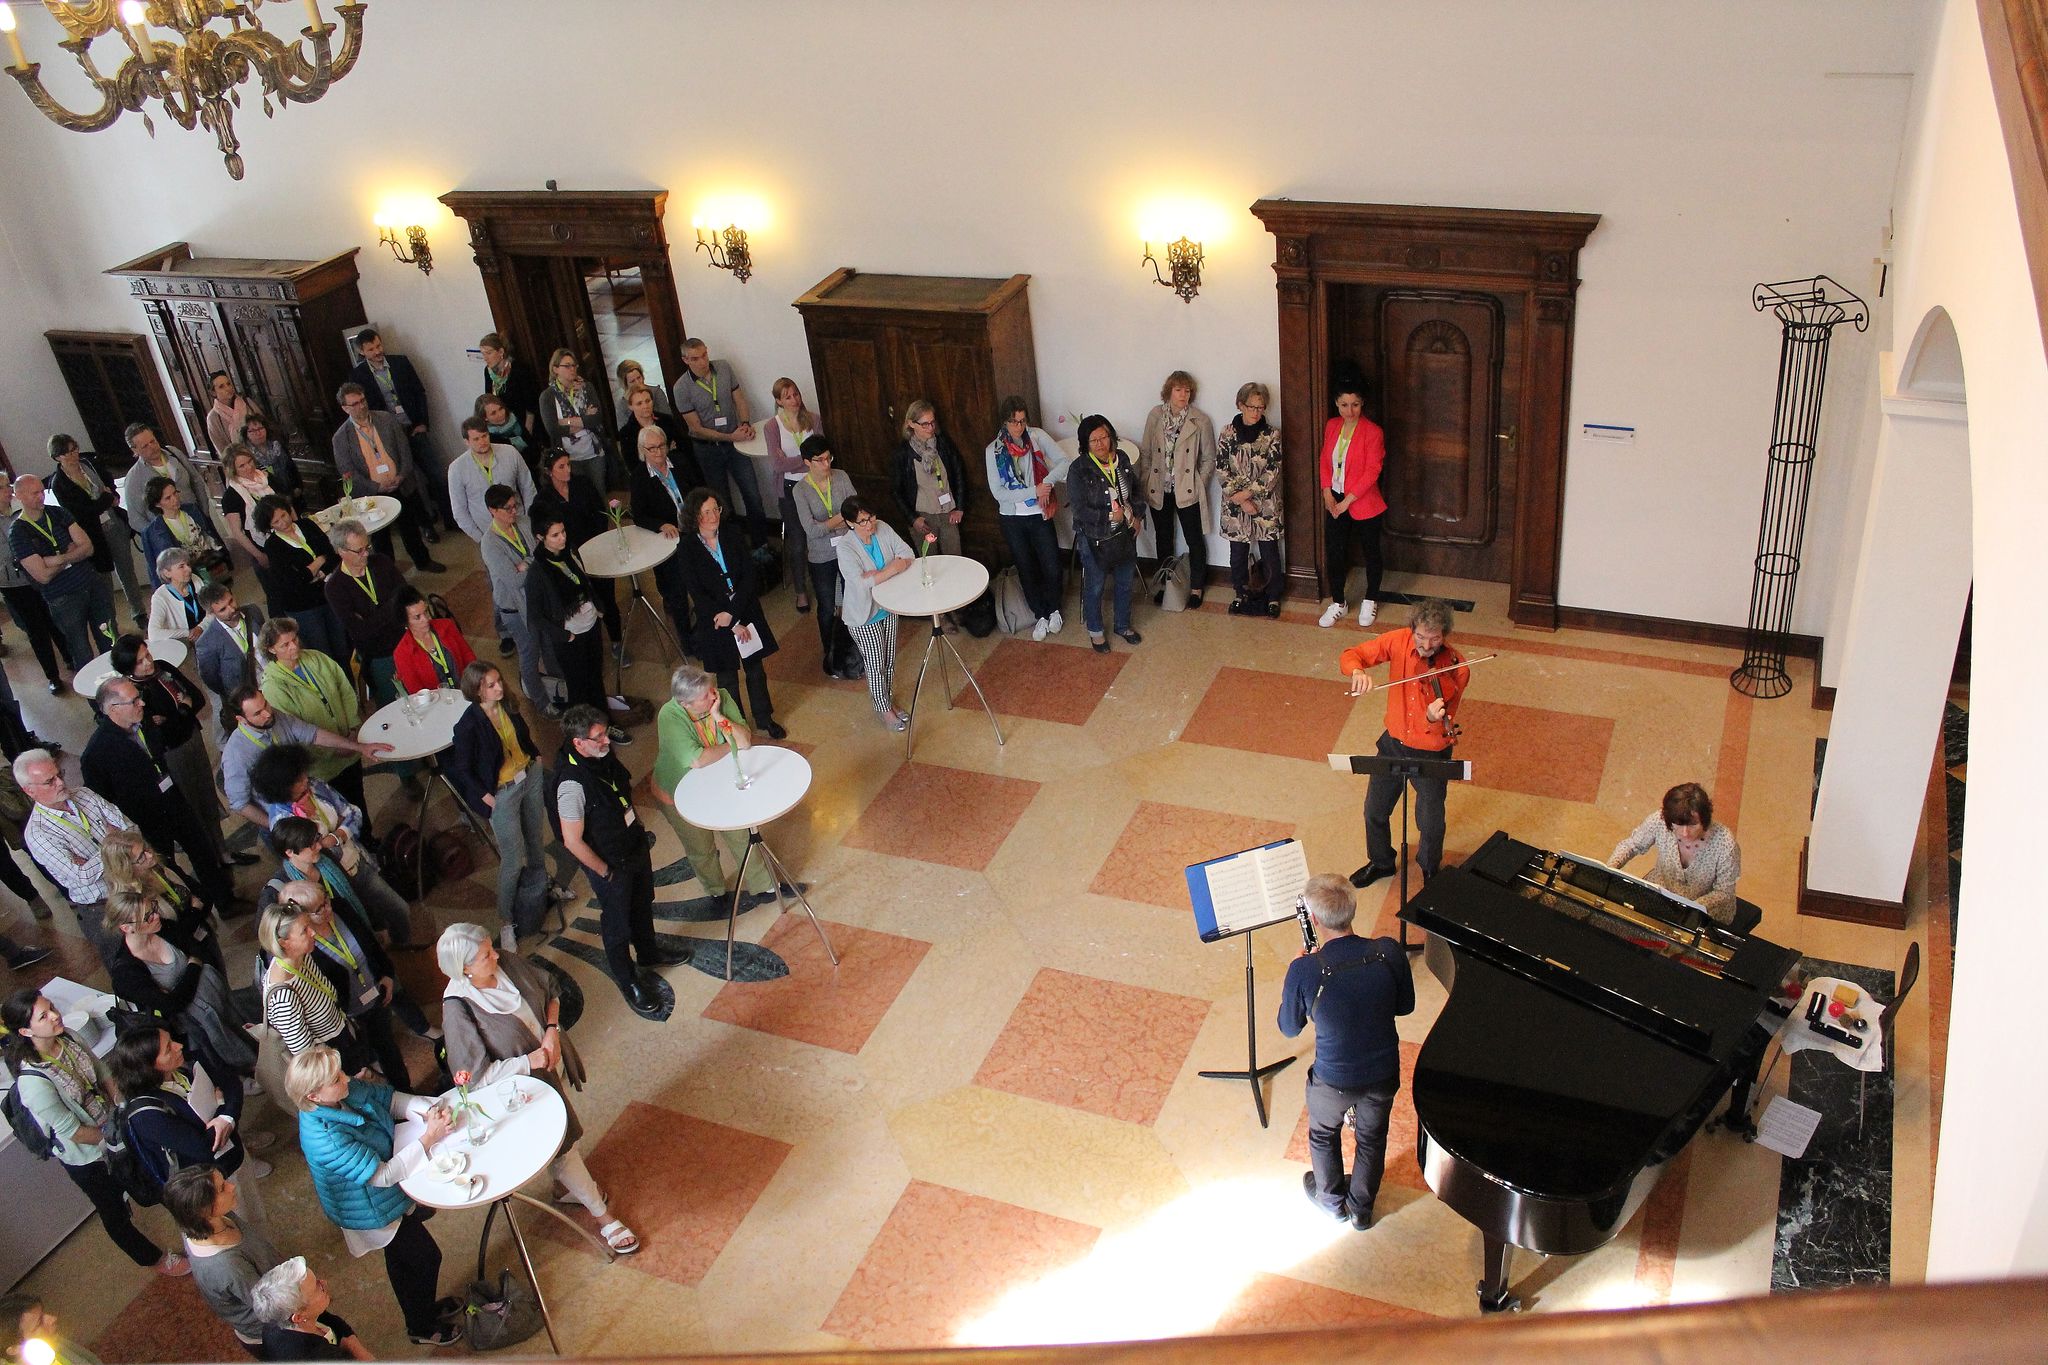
(1823, 698)
(1671, 628)
(1850, 909)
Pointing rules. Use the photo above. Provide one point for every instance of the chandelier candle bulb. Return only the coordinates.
(133, 15)
(19, 60)
(313, 19)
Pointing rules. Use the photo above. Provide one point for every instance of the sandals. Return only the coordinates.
(619, 1238)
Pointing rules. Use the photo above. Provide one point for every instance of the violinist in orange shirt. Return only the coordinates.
(1421, 723)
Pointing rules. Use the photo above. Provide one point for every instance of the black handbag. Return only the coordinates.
(499, 1316)
(1116, 549)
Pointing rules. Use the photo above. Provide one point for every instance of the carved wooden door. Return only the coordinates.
(1439, 381)
(852, 396)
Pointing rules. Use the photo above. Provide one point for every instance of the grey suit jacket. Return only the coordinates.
(348, 454)
(502, 561)
(223, 666)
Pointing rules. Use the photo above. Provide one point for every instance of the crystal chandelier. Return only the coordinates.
(194, 74)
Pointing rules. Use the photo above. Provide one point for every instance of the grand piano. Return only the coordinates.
(1592, 1021)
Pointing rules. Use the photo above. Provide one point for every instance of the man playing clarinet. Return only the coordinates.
(1421, 723)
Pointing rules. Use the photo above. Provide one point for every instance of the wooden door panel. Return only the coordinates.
(1439, 377)
(954, 376)
(852, 401)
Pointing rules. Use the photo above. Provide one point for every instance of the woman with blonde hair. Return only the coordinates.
(784, 434)
(1248, 456)
(188, 995)
(299, 1002)
(348, 1130)
(929, 479)
(1177, 456)
(633, 375)
(503, 1018)
(569, 411)
(130, 864)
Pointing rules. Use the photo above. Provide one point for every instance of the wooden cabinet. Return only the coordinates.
(880, 342)
(277, 327)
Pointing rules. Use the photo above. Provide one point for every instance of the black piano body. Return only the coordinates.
(1592, 1021)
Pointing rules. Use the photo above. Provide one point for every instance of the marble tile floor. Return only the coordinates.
(986, 1126)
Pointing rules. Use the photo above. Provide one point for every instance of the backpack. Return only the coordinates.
(437, 606)
(133, 1174)
(1013, 611)
(398, 859)
(31, 1134)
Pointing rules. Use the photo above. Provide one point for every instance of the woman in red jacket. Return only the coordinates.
(433, 652)
(1353, 451)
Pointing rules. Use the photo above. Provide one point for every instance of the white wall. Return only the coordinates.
(935, 137)
(1960, 249)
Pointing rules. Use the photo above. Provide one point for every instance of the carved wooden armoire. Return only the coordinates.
(881, 342)
(277, 327)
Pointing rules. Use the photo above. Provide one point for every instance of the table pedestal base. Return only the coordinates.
(661, 626)
(782, 879)
(483, 1247)
(942, 646)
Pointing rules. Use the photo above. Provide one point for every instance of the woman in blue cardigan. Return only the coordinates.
(347, 1130)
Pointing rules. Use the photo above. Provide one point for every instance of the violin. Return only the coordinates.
(1447, 727)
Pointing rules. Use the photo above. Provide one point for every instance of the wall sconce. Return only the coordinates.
(727, 249)
(1184, 259)
(415, 251)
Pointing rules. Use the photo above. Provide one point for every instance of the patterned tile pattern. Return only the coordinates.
(818, 1003)
(167, 1324)
(1044, 681)
(1271, 713)
(942, 1259)
(684, 1184)
(1275, 1303)
(1537, 752)
(942, 815)
(1100, 1046)
(1147, 865)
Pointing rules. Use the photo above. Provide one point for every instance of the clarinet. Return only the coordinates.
(1308, 926)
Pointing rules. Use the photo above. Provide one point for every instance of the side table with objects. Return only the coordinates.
(418, 726)
(939, 584)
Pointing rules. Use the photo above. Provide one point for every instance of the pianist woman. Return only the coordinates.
(1696, 858)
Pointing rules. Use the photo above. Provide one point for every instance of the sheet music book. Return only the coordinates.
(1248, 890)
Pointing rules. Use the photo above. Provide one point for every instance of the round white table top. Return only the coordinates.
(522, 1143)
(956, 581)
(625, 551)
(375, 513)
(755, 445)
(433, 732)
(777, 779)
(86, 681)
(1865, 1054)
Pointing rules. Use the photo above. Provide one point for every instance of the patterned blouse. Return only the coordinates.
(1710, 879)
(1253, 467)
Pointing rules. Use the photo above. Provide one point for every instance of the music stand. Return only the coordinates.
(1237, 920)
(1405, 769)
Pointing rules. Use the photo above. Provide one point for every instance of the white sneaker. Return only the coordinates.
(1367, 610)
(1038, 631)
(1059, 622)
(508, 940)
(1331, 615)
(254, 1167)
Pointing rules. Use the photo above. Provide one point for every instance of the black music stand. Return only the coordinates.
(1211, 932)
(1405, 769)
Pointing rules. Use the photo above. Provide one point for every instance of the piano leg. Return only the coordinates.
(1493, 1290)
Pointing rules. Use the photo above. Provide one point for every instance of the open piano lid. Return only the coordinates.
(1657, 966)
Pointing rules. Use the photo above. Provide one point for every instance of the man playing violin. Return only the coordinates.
(1421, 723)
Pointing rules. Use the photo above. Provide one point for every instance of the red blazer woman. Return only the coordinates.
(416, 671)
(1361, 466)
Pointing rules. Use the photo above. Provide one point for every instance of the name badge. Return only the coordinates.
(945, 502)
(372, 995)
(631, 818)
(517, 778)
(835, 541)
(199, 935)
(164, 785)
(1031, 503)
(721, 422)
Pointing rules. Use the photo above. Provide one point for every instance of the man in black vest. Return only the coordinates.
(124, 762)
(1352, 989)
(590, 803)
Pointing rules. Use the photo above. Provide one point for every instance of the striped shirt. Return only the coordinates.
(303, 1009)
(65, 842)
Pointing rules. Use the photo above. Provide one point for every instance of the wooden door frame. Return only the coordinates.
(619, 225)
(1535, 255)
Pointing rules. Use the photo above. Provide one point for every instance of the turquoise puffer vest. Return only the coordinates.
(344, 1145)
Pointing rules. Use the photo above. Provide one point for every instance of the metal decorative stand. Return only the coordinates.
(1810, 310)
